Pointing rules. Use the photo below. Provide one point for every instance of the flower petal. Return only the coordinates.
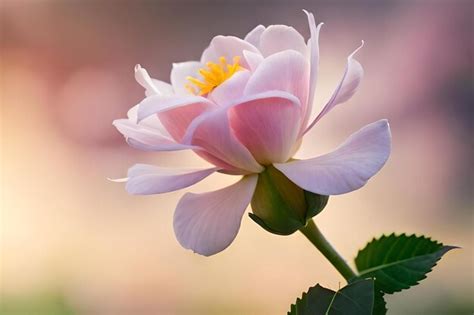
(284, 71)
(231, 89)
(152, 86)
(268, 126)
(165, 89)
(208, 223)
(347, 168)
(253, 37)
(253, 59)
(180, 72)
(211, 131)
(143, 137)
(146, 179)
(151, 121)
(228, 47)
(278, 38)
(346, 88)
(148, 135)
(314, 61)
(175, 113)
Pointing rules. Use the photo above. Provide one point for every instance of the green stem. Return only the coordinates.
(315, 236)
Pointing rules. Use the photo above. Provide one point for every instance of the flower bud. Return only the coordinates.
(280, 206)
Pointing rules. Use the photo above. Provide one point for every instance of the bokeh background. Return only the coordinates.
(74, 243)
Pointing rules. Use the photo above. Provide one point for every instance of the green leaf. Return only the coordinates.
(397, 262)
(356, 298)
(380, 307)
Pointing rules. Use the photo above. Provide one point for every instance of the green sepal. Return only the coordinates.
(263, 225)
(315, 203)
(282, 207)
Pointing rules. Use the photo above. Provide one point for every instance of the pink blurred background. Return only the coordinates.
(75, 243)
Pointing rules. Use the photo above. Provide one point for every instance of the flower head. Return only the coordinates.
(244, 107)
(213, 76)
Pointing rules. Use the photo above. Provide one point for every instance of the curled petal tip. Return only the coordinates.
(358, 48)
(384, 122)
(118, 180)
(387, 124)
(311, 17)
(137, 67)
(309, 14)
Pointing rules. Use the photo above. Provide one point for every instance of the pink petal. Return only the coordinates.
(253, 59)
(211, 132)
(268, 126)
(314, 61)
(228, 47)
(151, 121)
(253, 37)
(146, 138)
(347, 168)
(148, 179)
(225, 167)
(180, 72)
(152, 86)
(208, 223)
(176, 113)
(278, 38)
(231, 89)
(284, 71)
(148, 135)
(346, 88)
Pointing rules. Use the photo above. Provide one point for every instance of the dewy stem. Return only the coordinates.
(315, 236)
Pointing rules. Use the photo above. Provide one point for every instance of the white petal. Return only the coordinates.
(154, 104)
(228, 47)
(314, 61)
(253, 59)
(175, 113)
(147, 135)
(145, 138)
(148, 179)
(278, 38)
(165, 89)
(231, 89)
(346, 88)
(152, 86)
(253, 37)
(347, 168)
(180, 72)
(208, 223)
(151, 121)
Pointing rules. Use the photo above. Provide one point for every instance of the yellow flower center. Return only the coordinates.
(213, 76)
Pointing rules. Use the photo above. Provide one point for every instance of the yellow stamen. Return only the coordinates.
(213, 76)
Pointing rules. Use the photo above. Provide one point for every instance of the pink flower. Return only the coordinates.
(244, 106)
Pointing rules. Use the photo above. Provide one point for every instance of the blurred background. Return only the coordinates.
(74, 243)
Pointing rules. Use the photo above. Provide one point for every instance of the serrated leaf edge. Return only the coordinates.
(444, 249)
